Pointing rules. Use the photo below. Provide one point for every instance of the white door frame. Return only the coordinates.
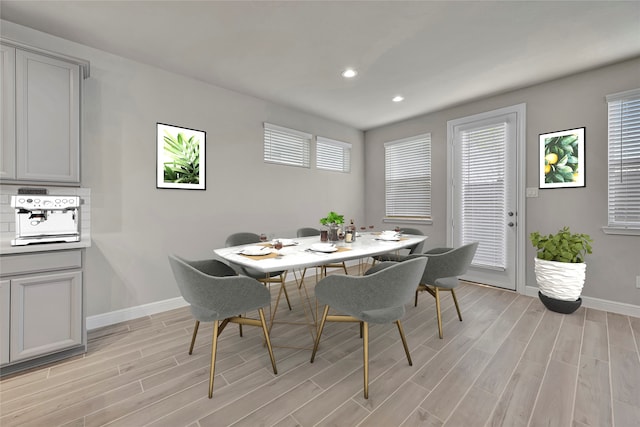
(521, 136)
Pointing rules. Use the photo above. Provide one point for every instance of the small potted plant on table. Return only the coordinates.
(333, 220)
(560, 268)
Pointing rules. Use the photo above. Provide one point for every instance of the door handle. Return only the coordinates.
(511, 224)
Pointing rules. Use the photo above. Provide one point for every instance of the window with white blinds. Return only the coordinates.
(286, 146)
(483, 200)
(333, 155)
(408, 177)
(624, 160)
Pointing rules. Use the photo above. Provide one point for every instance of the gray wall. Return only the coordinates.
(571, 102)
(135, 225)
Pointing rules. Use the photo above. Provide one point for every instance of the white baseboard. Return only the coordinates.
(599, 304)
(113, 317)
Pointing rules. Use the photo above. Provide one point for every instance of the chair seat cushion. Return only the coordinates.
(447, 282)
(390, 257)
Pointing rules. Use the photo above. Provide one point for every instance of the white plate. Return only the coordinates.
(389, 237)
(323, 247)
(285, 242)
(256, 250)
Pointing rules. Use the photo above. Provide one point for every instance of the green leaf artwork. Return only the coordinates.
(184, 154)
(561, 159)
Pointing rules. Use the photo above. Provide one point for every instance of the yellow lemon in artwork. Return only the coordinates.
(575, 177)
(551, 158)
(547, 169)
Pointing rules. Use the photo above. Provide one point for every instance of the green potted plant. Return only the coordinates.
(560, 268)
(333, 220)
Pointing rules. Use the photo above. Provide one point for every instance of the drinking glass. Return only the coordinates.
(263, 237)
(277, 245)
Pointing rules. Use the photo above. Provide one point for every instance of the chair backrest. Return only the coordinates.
(307, 232)
(391, 284)
(242, 238)
(215, 287)
(452, 263)
(417, 249)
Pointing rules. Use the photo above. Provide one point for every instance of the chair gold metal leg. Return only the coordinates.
(437, 295)
(344, 267)
(416, 303)
(361, 329)
(455, 301)
(286, 295)
(193, 337)
(240, 326)
(365, 357)
(214, 346)
(266, 338)
(404, 342)
(320, 328)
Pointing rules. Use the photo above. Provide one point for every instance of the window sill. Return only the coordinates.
(423, 221)
(621, 231)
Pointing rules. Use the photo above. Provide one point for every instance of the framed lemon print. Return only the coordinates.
(562, 159)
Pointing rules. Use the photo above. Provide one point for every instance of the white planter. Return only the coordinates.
(560, 280)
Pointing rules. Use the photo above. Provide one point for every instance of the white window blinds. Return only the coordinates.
(624, 159)
(333, 155)
(408, 177)
(483, 201)
(286, 146)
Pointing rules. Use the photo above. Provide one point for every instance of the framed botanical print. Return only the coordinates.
(180, 157)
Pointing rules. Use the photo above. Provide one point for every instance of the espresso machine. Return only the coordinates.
(46, 219)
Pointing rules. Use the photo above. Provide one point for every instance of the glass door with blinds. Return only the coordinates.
(484, 193)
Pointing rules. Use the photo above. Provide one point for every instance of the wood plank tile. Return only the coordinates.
(497, 373)
(554, 406)
(395, 410)
(595, 340)
(445, 396)
(139, 373)
(620, 334)
(568, 342)
(474, 409)
(515, 406)
(625, 375)
(222, 395)
(349, 414)
(593, 393)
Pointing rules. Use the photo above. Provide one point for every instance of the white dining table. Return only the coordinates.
(299, 255)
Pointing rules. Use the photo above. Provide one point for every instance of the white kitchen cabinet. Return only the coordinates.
(46, 314)
(47, 119)
(8, 112)
(5, 314)
(44, 319)
(40, 117)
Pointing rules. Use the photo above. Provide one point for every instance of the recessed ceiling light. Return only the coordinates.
(349, 73)
(398, 98)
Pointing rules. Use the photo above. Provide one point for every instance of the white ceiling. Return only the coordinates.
(435, 53)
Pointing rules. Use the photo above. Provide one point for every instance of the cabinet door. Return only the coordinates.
(46, 314)
(8, 112)
(47, 119)
(5, 311)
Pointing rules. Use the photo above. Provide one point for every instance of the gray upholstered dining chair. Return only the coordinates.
(217, 294)
(392, 256)
(379, 296)
(246, 238)
(309, 232)
(441, 273)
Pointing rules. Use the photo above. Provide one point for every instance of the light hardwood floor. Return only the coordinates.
(510, 362)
